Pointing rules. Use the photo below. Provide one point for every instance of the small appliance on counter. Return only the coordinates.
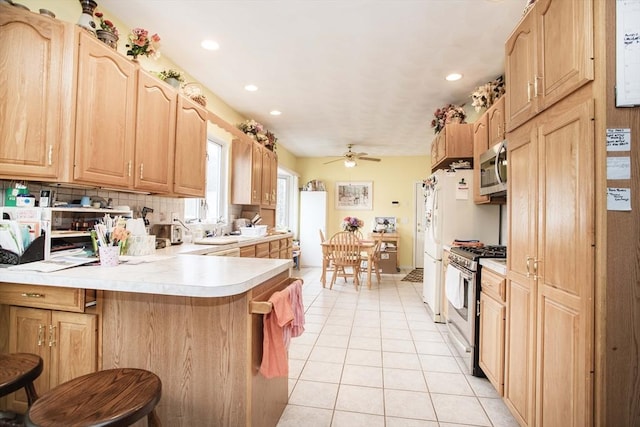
(172, 232)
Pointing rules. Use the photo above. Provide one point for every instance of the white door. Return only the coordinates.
(418, 229)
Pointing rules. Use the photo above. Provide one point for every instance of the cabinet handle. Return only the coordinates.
(535, 268)
(529, 266)
(32, 295)
(52, 335)
(528, 91)
(535, 86)
(40, 335)
(50, 155)
(129, 168)
(141, 170)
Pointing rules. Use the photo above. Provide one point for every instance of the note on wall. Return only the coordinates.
(627, 53)
(619, 139)
(618, 167)
(618, 199)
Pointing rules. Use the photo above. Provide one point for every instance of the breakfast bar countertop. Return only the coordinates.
(180, 275)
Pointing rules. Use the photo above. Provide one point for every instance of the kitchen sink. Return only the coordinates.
(217, 240)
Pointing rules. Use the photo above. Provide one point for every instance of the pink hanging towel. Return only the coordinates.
(297, 326)
(274, 352)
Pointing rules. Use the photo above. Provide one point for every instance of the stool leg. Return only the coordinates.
(32, 396)
(153, 420)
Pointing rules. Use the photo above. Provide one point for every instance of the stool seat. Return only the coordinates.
(19, 370)
(113, 397)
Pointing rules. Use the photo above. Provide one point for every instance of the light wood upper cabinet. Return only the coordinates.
(191, 149)
(155, 135)
(66, 342)
(454, 142)
(36, 102)
(105, 116)
(496, 122)
(256, 174)
(265, 198)
(480, 145)
(548, 56)
(242, 188)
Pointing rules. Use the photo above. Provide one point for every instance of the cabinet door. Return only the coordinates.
(155, 134)
(29, 333)
(265, 193)
(563, 67)
(256, 174)
(191, 149)
(520, 65)
(492, 324)
(74, 346)
(519, 388)
(105, 115)
(495, 122)
(480, 145)
(36, 54)
(273, 160)
(241, 172)
(564, 268)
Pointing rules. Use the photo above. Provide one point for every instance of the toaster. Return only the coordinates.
(173, 232)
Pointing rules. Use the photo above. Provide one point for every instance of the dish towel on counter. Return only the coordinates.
(454, 287)
(297, 326)
(277, 332)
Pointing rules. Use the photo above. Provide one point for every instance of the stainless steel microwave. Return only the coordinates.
(493, 170)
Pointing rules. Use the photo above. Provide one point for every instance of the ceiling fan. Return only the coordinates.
(350, 158)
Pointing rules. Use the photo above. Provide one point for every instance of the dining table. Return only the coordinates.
(366, 246)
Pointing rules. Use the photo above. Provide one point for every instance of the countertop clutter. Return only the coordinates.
(178, 270)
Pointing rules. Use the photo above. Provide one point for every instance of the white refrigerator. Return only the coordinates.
(313, 217)
(450, 213)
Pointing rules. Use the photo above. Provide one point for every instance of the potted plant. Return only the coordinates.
(107, 33)
(173, 77)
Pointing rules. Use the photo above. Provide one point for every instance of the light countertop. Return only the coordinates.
(498, 265)
(180, 270)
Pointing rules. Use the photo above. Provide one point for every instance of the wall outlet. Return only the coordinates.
(162, 216)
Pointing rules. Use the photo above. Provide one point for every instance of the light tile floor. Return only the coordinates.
(374, 357)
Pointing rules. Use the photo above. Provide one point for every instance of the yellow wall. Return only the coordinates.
(393, 179)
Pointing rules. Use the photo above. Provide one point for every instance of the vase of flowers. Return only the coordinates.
(448, 114)
(141, 44)
(173, 77)
(351, 223)
(107, 33)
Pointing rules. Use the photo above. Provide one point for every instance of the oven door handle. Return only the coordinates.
(463, 272)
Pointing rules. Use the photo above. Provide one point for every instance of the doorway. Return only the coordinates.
(418, 229)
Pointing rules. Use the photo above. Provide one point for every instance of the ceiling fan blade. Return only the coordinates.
(359, 154)
(371, 159)
(332, 161)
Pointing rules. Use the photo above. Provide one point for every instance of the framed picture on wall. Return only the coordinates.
(354, 195)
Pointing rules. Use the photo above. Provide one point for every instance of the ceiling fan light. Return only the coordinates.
(350, 163)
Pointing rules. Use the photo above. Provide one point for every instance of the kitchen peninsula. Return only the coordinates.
(185, 317)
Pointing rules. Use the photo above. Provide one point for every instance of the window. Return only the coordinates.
(286, 212)
(214, 205)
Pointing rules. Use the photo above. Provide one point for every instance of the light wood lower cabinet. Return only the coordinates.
(66, 342)
(492, 328)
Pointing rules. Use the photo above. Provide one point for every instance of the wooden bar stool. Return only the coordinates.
(20, 370)
(113, 397)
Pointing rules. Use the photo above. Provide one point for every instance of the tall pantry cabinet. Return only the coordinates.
(569, 361)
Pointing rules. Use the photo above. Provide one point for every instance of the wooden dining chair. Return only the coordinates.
(345, 254)
(375, 258)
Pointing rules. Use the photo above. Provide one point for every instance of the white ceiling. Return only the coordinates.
(366, 72)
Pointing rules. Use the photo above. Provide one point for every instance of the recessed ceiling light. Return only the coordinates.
(453, 77)
(209, 45)
(275, 113)
(251, 88)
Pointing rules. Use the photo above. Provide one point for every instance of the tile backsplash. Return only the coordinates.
(162, 207)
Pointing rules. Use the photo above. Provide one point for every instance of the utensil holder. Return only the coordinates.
(109, 256)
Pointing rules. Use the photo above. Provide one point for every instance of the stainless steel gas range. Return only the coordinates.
(463, 294)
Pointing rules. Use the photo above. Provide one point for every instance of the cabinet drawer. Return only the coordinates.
(248, 251)
(262, 250)
(65, 299)
(274, 245)
(493, 284)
